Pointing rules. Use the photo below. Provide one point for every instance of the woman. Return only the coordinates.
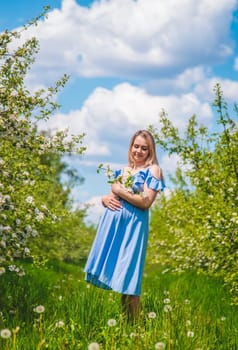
(117, 257)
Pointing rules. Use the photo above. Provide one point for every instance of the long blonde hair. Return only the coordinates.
(152, 158)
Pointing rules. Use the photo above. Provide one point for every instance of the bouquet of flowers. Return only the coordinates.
(126, 181)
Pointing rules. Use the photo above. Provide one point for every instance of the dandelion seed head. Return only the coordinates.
(160, 345)
(188, 323)
(190, 334)
(166, 301)
(167, 308)
(152, 314)
(111, 322)
(93, 346)
(5, 333)
(223, 318)
(39, 309)
(59, 324)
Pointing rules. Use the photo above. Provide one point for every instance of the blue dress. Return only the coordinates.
(116, 260)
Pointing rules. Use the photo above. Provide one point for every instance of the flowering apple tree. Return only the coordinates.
(196, 226)
(25, 177)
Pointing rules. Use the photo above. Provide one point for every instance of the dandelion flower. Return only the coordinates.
(59, 324)
(152, 314)
(190, 334)
(160, 345)
(5, 333)
(111, 322)
(93, 346)
(39, 309)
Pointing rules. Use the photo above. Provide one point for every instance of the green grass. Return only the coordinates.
(198, 314)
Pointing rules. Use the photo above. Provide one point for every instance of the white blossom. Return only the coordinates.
(29, 199)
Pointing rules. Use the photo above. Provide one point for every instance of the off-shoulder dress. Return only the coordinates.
(117, 257)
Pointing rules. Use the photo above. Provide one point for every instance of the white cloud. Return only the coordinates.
(95, 210)
(133, 38)
(110, 117)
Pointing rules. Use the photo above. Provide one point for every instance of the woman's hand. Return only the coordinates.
(111, 202)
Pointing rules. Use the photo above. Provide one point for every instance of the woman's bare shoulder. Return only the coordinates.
(156, 171)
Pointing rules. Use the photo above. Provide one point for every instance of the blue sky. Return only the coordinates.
(128, 60)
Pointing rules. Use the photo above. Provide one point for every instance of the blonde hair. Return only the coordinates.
(152, 158)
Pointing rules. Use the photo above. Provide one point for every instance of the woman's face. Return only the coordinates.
(140, 150)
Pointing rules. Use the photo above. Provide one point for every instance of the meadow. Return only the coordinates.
(52, 307)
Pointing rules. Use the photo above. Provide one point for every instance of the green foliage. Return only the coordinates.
(54, 307)
(31, 196)
(196, 226)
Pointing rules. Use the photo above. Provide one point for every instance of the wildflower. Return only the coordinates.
(26, 250)
(34, 233)
(59, 324)
(21, 273)
(223, 318)
(187, 301)
(166, 301)
(12, 268)
(2, 270)
(188, 323)
(39, 309)
(133, 335)
(2, 242)
(167, 308)
(40, 216)
(5, 333)
(152, 314)
(18, 221)
(111, 322)
(190, 334)
(93, 346)
(29, 199)
(160, 345)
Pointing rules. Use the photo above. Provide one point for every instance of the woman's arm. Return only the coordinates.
(139, 200)
(111, 201)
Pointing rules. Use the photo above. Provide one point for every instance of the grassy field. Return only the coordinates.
(55, 309)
